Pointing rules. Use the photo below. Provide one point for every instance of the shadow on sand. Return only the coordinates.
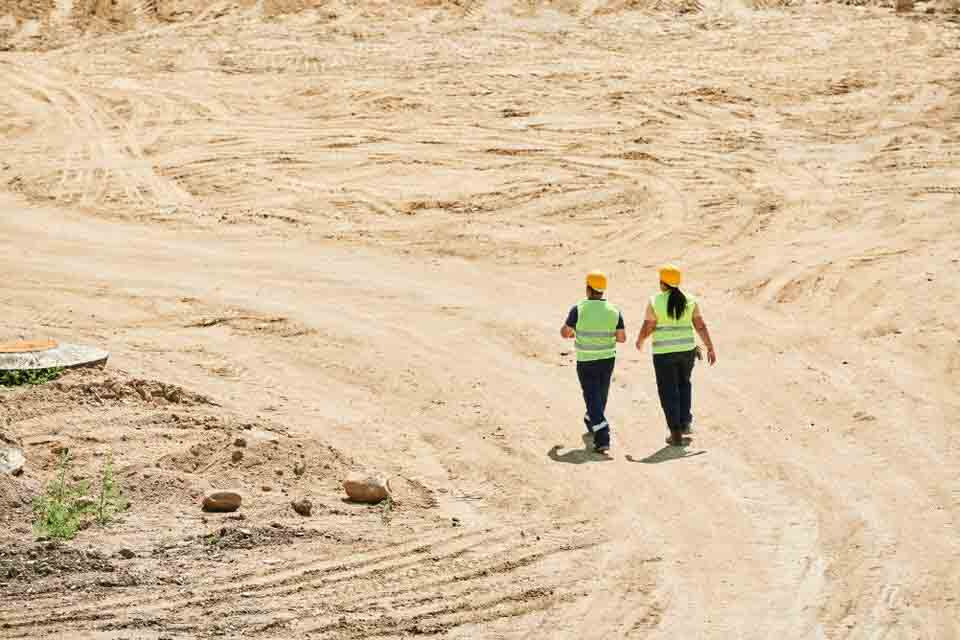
(578, 456)
(668, 453)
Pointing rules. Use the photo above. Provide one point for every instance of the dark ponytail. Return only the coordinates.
(676, 303)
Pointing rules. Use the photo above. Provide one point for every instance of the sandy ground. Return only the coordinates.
(349, 233)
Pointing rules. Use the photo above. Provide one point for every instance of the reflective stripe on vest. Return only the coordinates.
(596, 330)
(672, 335)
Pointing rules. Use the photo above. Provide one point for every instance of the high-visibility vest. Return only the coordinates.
(596, 330)
(672, 335)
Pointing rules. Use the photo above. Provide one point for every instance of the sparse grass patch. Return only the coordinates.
(110, 500)
(30, 376)
(65, 508)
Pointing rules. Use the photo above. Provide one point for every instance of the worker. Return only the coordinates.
(597, 326)
(671, 318)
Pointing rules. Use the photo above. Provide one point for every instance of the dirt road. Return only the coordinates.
(350, 233)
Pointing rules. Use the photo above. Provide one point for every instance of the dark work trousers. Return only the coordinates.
(673, 383)
(595, 381)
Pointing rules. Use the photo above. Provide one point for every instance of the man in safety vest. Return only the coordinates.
(597, 326)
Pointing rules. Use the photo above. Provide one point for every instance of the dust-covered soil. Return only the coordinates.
(320, 237)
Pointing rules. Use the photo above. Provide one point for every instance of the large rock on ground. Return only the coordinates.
(362, 487)
(222, 501)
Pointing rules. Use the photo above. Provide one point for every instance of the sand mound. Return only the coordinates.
(168, 446)
(47, 24)
(91, 388)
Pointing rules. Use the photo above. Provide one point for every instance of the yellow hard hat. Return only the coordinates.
(670, 275)
(597, 280)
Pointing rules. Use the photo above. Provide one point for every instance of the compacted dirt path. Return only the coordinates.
(348, 235)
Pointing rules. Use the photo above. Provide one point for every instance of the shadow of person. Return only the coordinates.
(576, 456)
(668, 453)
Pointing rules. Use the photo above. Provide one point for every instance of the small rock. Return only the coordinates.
(11, 460)
(239, 442)
(303, 506)
(267, 487)
(222, 501)
(299, 468)
(85, 502)
(237, 456)
(126, 553)
(279, 472)
(366, 488)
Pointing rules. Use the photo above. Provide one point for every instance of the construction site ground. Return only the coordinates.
(347, 234)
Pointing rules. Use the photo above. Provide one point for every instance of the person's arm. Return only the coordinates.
(568, 330)
(701, 326)
(621, 330)
(649, 324)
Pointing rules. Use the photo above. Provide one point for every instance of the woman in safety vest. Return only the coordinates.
(671, 318)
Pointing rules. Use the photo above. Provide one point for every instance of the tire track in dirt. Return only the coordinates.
(319, 581)
(501, 570)
(442, 619)
(106, 167)
(409, 551)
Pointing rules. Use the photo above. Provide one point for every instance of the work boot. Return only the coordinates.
(688, 427)
(601, 438)
(587, 441)
(676, 438)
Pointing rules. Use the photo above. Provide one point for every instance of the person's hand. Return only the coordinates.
(711, 356)
(639, 345)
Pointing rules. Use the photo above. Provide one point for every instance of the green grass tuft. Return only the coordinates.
(60, 513)
(31, 376)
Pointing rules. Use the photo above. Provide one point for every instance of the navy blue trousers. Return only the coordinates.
(595, 379)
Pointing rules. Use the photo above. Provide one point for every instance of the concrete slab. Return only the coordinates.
(27, 356)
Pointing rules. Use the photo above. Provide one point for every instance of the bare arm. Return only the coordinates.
(621, 335)
(701, 326)
(649, 324)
